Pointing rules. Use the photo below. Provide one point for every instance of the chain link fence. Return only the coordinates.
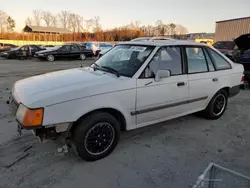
(216, 176)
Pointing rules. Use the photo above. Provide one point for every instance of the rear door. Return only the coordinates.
(202, 77)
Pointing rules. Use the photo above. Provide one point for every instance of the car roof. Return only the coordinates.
(165, 43)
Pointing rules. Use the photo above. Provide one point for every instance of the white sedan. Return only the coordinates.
(135, 84)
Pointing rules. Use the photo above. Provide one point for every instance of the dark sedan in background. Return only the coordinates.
(21, 52)
(225, 47)
(6, 47)
(68, 51)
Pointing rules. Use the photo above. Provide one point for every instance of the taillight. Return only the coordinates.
(242, 78)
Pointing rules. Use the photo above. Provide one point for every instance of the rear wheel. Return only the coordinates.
(217, 105)
(96, 136)
(51, 58)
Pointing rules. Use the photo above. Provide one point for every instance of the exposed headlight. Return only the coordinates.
(29, 117)
(4, 53)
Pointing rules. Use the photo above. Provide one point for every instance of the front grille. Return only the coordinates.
(13, 104)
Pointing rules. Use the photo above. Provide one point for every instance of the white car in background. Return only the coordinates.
(135, 84)
(104, 48)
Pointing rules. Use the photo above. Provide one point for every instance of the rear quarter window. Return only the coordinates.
(219, 62)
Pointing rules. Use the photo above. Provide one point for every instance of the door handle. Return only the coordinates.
(180, 84)
(215, 79)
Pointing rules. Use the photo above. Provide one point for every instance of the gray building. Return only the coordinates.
(231, 29)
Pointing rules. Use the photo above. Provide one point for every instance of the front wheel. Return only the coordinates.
(51, 58)
(96, 136)
(217, 105)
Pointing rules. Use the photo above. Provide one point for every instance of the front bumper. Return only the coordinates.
(4, 55)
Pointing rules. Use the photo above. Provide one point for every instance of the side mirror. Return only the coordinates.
(162, 74)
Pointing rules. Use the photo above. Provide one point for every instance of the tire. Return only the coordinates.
(82, 57)
(212, 111)
(97, 130)
(50, 58)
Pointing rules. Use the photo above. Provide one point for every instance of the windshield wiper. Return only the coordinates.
(111, 70)
(95, 66)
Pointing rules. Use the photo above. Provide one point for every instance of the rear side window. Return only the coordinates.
(196, 60)
(219, 62)
(74, 48)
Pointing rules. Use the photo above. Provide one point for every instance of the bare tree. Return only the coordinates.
(54, 20)
(37, 14)
(172, 28)
(28, 21)
(47, 18)
(72, 22)
(96, 24)
(63, 19)
(79, 23)
(11, 24)
(180, 30)
(3, 21)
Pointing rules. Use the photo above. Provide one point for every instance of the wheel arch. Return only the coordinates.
(225, 89)
(114, 112)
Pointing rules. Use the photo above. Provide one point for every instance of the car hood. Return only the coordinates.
(243, 42)
(60, 86)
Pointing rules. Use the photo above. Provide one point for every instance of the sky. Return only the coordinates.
(195, 15)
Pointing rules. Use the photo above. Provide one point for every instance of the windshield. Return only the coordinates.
(228, 45)
(125, 59)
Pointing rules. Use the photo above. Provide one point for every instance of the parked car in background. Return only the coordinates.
(104, 47)
(140, 39)
(225, 47)
(83, 44)
(133, 85)
(6, 47)
(209, 42)
(241, 54)
(48, 47)
(94, 46)
(67, 51)
(22, 52)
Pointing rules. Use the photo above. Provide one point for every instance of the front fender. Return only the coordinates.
(71, 111)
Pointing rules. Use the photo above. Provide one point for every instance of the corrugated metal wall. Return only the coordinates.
(231, 29)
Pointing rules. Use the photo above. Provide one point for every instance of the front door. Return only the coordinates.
(164, 99)
(64, 52)
(75, 52)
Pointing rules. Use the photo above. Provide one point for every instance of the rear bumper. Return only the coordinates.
(234, 91)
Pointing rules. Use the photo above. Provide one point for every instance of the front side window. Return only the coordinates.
(196, 60)
(125, 59)
(219, 62)
(167, 58)
(65, 48)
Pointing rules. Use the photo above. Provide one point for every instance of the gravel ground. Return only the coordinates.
(170, 154)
